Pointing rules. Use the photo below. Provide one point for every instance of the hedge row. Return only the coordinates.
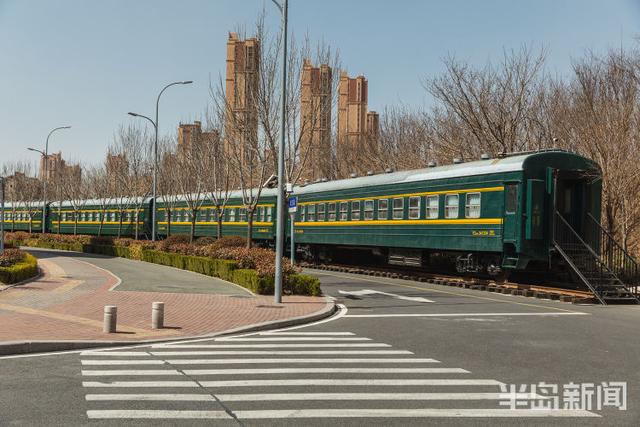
(296, 284)
(20, 271)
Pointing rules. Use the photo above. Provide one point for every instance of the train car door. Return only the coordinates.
(510, 220)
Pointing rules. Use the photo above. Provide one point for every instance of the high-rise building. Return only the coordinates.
(315, 120)
(51, 165)
(117, 166)
(243, 65)
(357, 127)
(191, 134)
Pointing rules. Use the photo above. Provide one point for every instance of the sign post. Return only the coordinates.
(293, 208)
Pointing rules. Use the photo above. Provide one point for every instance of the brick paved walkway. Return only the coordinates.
(67, 303)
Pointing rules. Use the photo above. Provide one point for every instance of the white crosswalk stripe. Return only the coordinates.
(229, 378)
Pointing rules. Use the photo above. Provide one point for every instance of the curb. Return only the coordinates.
(26, 347)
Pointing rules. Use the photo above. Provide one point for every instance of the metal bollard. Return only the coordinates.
(110, 319)
(157, 315)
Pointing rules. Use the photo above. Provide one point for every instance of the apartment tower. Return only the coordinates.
(243, 64)
(315, 120)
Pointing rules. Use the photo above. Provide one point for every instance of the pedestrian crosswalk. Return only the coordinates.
(288, 375)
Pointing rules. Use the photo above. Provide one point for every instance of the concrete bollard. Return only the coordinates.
(110, 319)
(157, 315)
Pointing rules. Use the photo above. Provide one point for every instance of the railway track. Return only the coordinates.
(508, 287)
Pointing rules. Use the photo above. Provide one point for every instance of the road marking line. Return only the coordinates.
(465, 314)
(348, 382)
(156, 414)
(141, 384)
(369, 396)
(274, 345)
(276, 353)
(305, 360)
(365, 292)
(412, 413)
(308, 333)
(152, 397)
(430, 289)
(94, 362)
(324, 371)
(267, 339)
(115, 353)
(131, 372)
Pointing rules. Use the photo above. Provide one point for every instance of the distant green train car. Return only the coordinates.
(117, 217)
(175, 217)
(492, 215)
(23, 217)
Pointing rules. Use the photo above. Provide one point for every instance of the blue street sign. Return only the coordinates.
(293, 203)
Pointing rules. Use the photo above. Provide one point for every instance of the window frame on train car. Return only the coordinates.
(331, 213)
(448, 207)
(243, 215)
(511, 198)
(355, 209)
(369, 209)
(383, 213)
(468, 206)
(269, 213)
(398, 209)
(430, 209)
(311, 212)
(321, 211)
(344, 211)
(232, 214)
(303, 213)
(413, 210)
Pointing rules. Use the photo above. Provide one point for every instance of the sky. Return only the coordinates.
(87, 63)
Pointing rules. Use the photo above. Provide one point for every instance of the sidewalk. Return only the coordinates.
(66, 303)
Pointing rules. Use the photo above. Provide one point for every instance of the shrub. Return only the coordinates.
(251, 280)
(300, 284)
(169, 244)
(204, 241)
(102, 240)
(11, 256)
(22, 270)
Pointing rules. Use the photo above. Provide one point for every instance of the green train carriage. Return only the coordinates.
(492, 215)
(23, 216)
(124, 217)
(234, 220)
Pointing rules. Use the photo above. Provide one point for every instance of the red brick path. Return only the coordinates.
(56, 307)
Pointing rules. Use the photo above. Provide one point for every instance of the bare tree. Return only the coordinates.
(493, 104)
(75, 191)
(168, 174)
(98, 183)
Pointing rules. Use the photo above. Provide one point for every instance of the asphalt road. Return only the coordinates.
(400, 353)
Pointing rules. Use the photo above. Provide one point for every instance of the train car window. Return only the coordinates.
(383, 209)
(451, 203)
(331, 210)
(303, 213)
(433, 207)
(368, 210)
(414, 207)
(243, 215)
(472, 207)
(311, 213)
(398, 208)
(321, 210)
(232, 215)
(355, 211)
(344, 211)
(511, 202)
(260, 213)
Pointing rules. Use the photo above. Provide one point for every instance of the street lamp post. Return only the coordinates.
(283, 7)
(155, 154)
(44, 174)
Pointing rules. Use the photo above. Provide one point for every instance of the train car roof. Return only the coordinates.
(112, 201)
(21, 205)
(509, 163)
(234, 194)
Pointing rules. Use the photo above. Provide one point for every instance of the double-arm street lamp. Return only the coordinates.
(155, 154)
(282, 6)
(45, 162)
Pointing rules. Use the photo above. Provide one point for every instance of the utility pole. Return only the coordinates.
(280, 215)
